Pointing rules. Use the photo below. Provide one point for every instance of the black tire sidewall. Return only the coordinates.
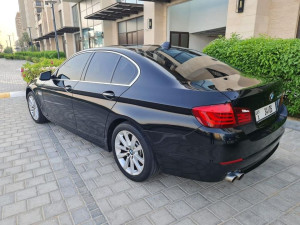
(148, 155)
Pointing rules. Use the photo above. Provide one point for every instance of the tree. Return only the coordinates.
(8, 50)
(24, 40)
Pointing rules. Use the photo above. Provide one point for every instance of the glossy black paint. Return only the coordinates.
(159, 103)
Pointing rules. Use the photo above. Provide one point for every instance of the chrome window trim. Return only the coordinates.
(125, 56)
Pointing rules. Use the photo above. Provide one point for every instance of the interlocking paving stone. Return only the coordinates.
(179, 209)
(49, 175)
(222, 210)
(162, 217)
(139, 208)
(205, 217)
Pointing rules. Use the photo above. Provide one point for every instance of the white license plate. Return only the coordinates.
(265, 112)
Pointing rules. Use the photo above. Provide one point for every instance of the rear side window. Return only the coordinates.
(102, 67)
(73, 68)
(125, 72)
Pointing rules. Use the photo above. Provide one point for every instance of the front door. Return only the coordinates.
(95, 96)
(57, 92)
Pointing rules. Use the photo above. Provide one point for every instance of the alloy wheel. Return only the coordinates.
(33, 108)
(129, 152)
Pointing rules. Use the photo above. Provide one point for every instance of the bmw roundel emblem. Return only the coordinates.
(271, 96)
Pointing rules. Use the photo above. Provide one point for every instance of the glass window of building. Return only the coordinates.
(75, 16)
(98, 36)
(180, 39)
(77, 42)
(86, 41)
(131, 32)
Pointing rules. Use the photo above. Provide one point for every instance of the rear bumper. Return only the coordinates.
(198, 155)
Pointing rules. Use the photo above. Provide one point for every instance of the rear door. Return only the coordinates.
(107, 76)
(57, 92)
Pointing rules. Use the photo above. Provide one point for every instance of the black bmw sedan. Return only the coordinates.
(164, 108)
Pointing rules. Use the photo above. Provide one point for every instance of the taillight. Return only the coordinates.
(243, 115)
(222, 116)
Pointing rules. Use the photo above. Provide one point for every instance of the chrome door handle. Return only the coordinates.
(108, 95)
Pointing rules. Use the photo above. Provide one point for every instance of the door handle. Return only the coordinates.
(68, 88)
(108, 95)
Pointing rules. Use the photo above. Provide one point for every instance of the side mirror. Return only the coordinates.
(45, 75)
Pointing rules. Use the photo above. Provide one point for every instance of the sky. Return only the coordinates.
(8, 10)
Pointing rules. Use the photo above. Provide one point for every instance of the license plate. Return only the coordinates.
(265, 112)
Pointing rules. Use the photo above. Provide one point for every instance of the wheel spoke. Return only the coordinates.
(126, 164)
(137, 165)
(131, 166)
(122, 155)
(120, 137)
(127, 139)
(133, 141)
(137, 149)
(139, 158)
(121, 147)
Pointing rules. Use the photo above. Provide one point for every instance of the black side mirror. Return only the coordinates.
(45, 75)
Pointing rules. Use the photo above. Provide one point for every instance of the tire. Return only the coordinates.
(126, 155)
(34, 109)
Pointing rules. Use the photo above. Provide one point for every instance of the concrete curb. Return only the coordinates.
(13, 94)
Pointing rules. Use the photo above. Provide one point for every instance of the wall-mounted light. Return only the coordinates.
(149, 24)
(240, 5)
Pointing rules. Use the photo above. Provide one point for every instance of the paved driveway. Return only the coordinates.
(51, 176)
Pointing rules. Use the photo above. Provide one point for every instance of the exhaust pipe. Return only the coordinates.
(239, 175)
(232, 176)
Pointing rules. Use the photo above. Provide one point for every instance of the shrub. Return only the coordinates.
(265, 58)
(33, 70)
(43, 54)
(8, 50)
(8, 56)
(2, 55)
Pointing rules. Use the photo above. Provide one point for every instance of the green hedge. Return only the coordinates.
(32, 56)
(265, 58)
(43, 54)
(33, 70)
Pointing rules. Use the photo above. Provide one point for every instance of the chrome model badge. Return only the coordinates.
(271, 96)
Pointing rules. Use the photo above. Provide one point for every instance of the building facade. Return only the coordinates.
(19, 27)
(83, 24)
(27, 16)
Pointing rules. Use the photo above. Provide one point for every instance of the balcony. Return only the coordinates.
(118, 10)
(60, 31)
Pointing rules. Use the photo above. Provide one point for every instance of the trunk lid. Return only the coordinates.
(259, 100)
(242, 90)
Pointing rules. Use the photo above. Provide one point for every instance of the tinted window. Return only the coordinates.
(73, 68)
(125, 72)
(102, 67)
